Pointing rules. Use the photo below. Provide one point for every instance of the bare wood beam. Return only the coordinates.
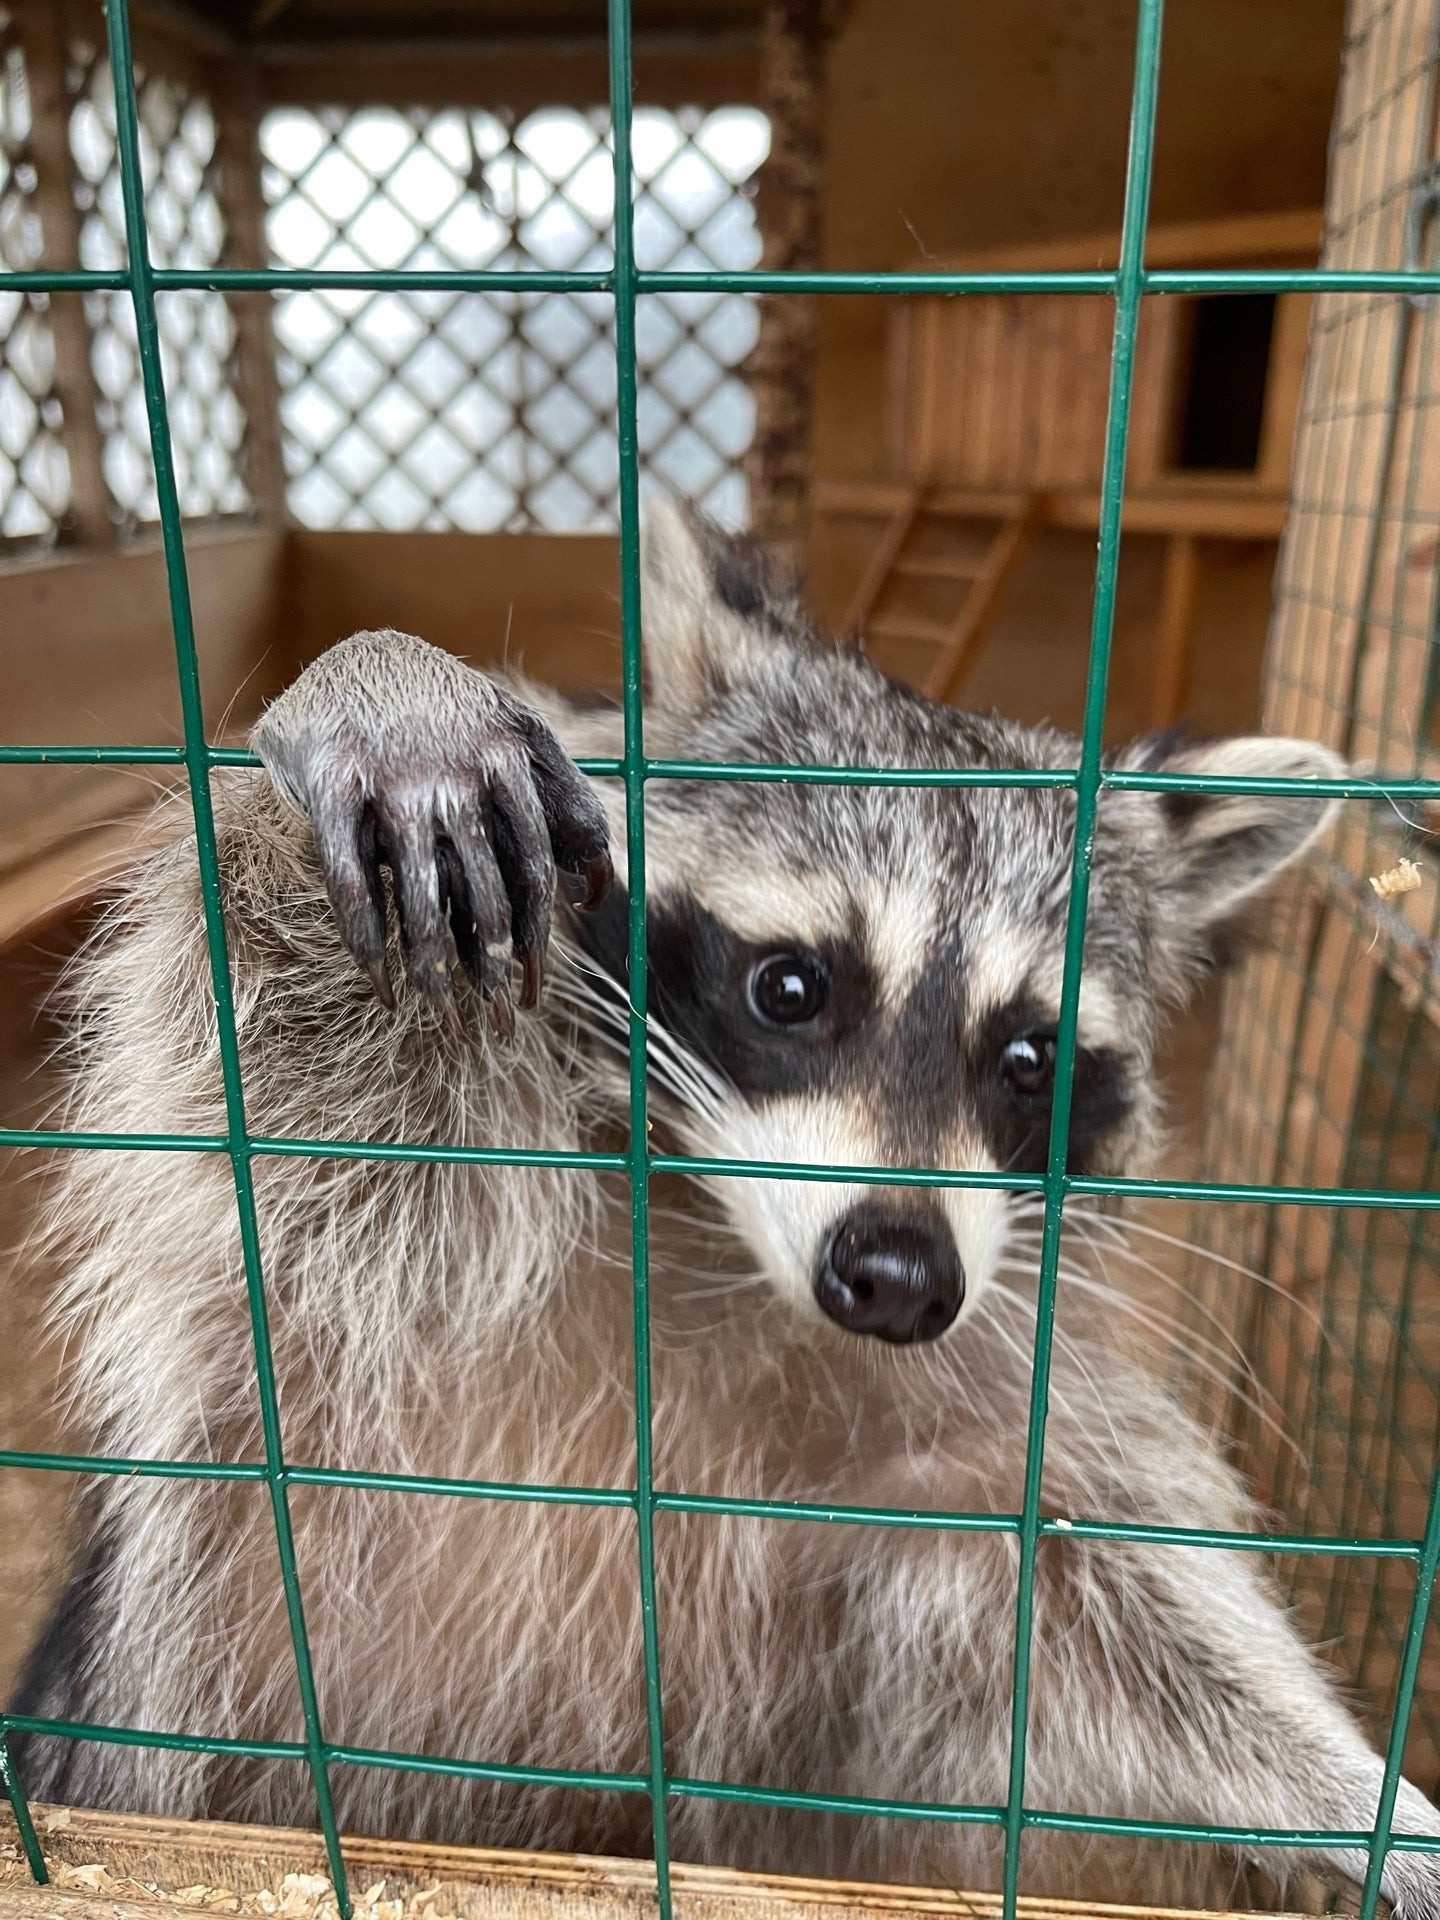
(781, 367)
(187, 23)
(239, 104)
(1175, 640)
(319, 50)
(1214, 513)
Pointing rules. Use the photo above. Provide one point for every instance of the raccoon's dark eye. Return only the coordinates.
(789, 988)
(1029, 1062)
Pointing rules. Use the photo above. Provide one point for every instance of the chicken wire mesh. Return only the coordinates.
(1315, 1187)
(1328, 1068)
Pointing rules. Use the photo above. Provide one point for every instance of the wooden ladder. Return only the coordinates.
(955, 639)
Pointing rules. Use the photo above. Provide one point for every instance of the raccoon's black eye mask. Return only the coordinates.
(1012, 1080)
(779, 1019)
(772, 1018)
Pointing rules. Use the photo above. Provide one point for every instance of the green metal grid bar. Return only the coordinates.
(19, 1806)
(1144, 100)
(142, 293)
(643, 280)
(1129, 284)
(686, 1787)
(544, 1493)
(1114, 1186)
(628, 445)
(1112, 779)
(929, 1519)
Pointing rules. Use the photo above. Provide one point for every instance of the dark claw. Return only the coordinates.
(598, 876)
(532, 961)
(380, 980)
(502, 1015)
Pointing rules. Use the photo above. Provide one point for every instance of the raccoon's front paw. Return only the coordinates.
(405, 758)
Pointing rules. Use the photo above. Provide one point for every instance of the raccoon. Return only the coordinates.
(846, 975)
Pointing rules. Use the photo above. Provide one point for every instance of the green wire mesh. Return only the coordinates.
(1368, 1188)
(1328, 1068)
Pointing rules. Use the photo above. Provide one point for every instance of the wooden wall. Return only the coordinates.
(953, 128)
(87, 659)
(548, 604)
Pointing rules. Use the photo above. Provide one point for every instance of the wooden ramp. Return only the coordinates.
(935, 582)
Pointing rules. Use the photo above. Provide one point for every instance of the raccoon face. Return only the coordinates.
(871, 976)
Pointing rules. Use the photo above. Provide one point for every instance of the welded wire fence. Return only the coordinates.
(140, 281)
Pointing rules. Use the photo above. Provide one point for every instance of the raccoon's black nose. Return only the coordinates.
(899, 1279)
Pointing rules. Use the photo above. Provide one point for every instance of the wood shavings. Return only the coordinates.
(1403, 877)
(299, 1896)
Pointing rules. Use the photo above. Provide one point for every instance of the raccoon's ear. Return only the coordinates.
(1222, 849)
(705, 601)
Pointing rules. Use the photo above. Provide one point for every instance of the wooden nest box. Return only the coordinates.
(995, 422)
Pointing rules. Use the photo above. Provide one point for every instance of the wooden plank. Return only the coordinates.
(989, 378)
(1292, 236)
(1215, 510)
(780, 367)
(1344, 518)
(937, 566)
(911, 628)
(1283, 380)
(1048, 395)
(917, 444)
(1175, 637)
(1159, 338)
(525, 70)
(239, 104)
(153, 1857)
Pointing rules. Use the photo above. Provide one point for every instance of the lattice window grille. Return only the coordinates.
(490, 412)
(34, 470)
(178, 160)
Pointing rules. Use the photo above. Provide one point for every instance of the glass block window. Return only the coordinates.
(34, 472)
(197, 329)
(496, 411)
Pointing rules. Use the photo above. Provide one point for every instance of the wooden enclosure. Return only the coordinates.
(956, 469)
(1000, 392)
(995, 420)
